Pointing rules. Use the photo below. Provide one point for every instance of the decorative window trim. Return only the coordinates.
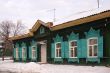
(56, 48)
(33, 50)
(92, 49)
(17, 53)
(72, 47)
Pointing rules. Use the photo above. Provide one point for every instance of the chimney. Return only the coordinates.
(49, 24)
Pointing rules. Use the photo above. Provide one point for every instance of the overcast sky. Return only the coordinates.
(29, 11)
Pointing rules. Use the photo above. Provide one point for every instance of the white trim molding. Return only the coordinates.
(73, 49)
(92, 47)
(58, 50)
(33, 52)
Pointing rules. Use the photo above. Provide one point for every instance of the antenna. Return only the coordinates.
(98, 3)
(54, 19)
(54, 13)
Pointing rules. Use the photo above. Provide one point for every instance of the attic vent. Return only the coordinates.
(42, 30)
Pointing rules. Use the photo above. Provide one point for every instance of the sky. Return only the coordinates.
(29, 11)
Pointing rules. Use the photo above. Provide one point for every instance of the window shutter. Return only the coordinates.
(36, 52)
(100, 47)
(62, 49)
(25, 52)
(20, 52)
(53, 50)
(14, 52)
(30, 52)
(66, 49)
(79, 49)
(84, 48)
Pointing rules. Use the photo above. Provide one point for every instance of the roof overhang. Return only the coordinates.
(30, 34)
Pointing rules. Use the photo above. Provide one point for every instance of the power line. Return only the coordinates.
(77, 13)
(98, 5)
(54, 12)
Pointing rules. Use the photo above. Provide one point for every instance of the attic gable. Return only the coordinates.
(40, 23)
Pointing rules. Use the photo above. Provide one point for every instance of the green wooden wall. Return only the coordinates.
(82, 46)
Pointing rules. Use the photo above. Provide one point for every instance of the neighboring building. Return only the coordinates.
(1, 47)
(86, 39)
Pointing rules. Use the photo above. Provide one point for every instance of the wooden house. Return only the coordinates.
(86, 39)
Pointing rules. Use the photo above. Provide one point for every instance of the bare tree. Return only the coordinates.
(7, 29)
(18, 29)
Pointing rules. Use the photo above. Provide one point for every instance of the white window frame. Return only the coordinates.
(72, 47)
(33, 50)
(23, 52)
(17, 53)
(92, 49)
(56, 48)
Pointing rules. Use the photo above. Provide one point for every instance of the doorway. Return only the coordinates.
(43, 53)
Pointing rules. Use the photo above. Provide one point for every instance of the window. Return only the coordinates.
(73, 49)
(33, 52)
(58, 50)
(92, 47)
(42, 30)
(16, 52)
(23, 53)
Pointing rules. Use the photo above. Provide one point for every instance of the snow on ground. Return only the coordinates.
(19, 67)
(32, 67)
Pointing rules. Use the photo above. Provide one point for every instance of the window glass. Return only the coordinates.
(58, 45)
(73, 43)
(72, 53)
(75, 51)
(92, 41)
(95, 50)
(59, 52)
(90, 50)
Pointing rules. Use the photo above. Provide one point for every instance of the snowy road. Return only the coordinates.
(10, 67)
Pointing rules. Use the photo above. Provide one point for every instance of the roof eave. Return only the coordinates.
(82, 20)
